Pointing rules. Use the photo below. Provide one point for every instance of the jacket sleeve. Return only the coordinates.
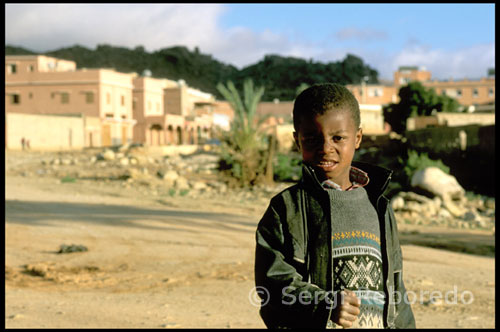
(287, 300)
(404, 315)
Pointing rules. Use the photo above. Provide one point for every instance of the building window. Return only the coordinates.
(31, 68)
(109, 115)
(64, 98)
(149, 106)
(89, 97)
(11, 68)
(459, 93)
(475, 93)
(30, 95)
(123, 100)
(134, 102)
(15, 99)
(108, 98)
(157, 107)
(491, 93)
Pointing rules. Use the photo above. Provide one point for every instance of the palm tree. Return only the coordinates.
(246, 138)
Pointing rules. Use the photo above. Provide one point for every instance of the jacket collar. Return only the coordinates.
(379, 178)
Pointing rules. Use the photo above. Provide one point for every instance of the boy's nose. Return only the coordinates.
(327, 146)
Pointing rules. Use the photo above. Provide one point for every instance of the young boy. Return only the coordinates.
(327, 252)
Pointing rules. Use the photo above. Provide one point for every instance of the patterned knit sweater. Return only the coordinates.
(357, 259)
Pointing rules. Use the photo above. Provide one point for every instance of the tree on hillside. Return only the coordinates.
(416, 100)
(245, 151)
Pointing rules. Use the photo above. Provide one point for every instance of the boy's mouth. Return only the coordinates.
(327, 165)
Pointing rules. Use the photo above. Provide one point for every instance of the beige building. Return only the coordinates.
(117, 108)
(466, 92)
(45, 85)
(374, 94)
(170, 112)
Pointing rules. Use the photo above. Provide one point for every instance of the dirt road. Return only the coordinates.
(177, 262)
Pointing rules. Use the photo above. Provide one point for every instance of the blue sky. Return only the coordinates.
(450, 40)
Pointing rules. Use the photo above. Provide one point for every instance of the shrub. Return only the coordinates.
(287, 167)
(417, 161)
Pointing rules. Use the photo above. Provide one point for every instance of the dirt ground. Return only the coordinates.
(179, 262)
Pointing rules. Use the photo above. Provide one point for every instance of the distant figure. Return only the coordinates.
(23, 142)
(324, 258)
(28, 144)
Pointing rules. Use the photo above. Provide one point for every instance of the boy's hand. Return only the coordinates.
(347, 309)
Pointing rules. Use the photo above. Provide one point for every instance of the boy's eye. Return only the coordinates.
(312, 141)
(337, 138)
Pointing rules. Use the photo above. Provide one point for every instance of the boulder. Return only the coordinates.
(397, 203)
(181, 183)
(199, 185)
(124, 161)
(108, 155)
(170, 176)
(455, 210)
(489, 203)
(438, 183)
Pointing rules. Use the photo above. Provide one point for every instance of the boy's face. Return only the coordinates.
(328, 143)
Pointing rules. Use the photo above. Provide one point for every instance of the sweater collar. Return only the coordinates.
(379, 178)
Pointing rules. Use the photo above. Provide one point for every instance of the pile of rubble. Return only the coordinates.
(193, 175)
(442, 201)
(436, 197)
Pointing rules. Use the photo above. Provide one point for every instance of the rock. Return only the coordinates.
(413, 206)
(437, 202)
(437, 182)
(124, 161)
(170, 177)
(453, 208)
(65, 161)
(16, 316)
(133, 173)
(199, 185)
(93, 159)
(108, 155)
(138, 159)
(181, 183)
(470, 216)
(443, 213)
(411, 196)
(489, 203)
(397, 203)
(64, 249)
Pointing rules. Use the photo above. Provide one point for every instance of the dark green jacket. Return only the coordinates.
(288, 266)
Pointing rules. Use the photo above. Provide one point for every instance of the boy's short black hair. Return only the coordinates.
(319, 98)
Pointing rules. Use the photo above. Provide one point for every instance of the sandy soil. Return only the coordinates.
(176, 262)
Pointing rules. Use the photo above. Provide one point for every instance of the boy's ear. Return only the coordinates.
(359, 137)
(296, 139)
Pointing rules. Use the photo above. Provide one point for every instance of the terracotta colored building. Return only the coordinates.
(466, 92)
(45, 85)
(117, 108)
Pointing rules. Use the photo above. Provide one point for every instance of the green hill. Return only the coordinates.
(281, 76)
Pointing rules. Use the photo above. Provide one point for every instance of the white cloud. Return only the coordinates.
(471, 62)
(364, 35)
(42, 27)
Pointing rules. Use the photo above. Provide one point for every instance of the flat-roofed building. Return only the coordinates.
(45, 85)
